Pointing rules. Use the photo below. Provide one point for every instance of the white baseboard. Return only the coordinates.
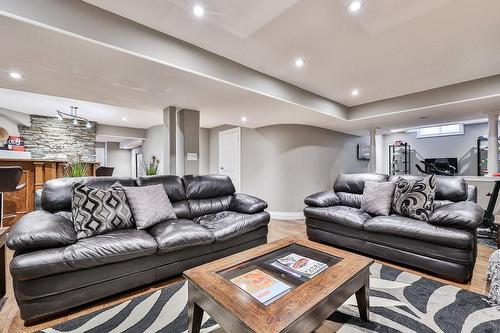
(287, 215)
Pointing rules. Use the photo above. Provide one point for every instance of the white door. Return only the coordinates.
(229, 155)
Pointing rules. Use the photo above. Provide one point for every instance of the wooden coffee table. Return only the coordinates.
(303, 309)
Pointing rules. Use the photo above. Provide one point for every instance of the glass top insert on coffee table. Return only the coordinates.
(289, 267)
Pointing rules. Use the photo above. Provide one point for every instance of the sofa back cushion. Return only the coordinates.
(172, 185)
(350, 186)
(209, 186)
(448, 189)
(208, 194)
(57, 193)
(355, 182)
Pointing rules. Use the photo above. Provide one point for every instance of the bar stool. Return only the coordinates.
(103, 171)
(10, 176)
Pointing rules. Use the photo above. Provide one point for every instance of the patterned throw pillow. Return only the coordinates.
(414, 198)
(97, 211)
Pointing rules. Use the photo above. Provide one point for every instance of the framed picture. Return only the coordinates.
(363, 152)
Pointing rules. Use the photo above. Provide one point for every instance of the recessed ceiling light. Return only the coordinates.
(299, 62)
(355, 92)
(198, 11)
(124, 119)
(354, 6)
(244, 119)
(15, 75)
(88, 125)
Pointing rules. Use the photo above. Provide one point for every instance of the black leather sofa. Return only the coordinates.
(446, 245)
(50, 276)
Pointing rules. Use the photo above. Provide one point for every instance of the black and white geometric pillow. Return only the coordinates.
(97, 211)
(414, 198)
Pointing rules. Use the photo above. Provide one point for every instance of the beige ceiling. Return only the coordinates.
(86, 58)
(389, 48)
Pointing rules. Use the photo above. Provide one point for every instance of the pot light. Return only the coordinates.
(244, 119)
(88, 125)
(355, 92)
(354, 6)
(300, 62)
(198, 11)
(124, 119)
(15, 75)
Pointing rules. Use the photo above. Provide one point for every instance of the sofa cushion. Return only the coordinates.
(355, 182)
(174, 235)
(57, 193)
(200, 207)
(348, 216)
(350, 199)
(420, 230)
(97, 211)
(40, 229)
(377, 198)
(114, 246)
(171, 184)
(226, 225)
(414, 197)
(210, 186)
(150, 205)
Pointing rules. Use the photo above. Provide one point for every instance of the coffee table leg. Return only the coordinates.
(195, 312)
(363, 298)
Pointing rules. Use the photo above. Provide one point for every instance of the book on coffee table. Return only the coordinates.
(301, 265)
(262, 286)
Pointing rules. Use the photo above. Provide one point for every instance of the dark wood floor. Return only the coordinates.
(11, 322)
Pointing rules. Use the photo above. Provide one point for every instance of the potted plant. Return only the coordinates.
(76, 168)
(151, 168)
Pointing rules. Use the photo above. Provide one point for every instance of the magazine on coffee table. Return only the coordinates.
(262, 286)
(300, 265)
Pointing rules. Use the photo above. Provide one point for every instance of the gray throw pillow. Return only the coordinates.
(97, 211)
(150, 205)
(414, 198)
(377, 198)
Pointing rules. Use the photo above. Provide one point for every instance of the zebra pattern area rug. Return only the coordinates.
(399, 302)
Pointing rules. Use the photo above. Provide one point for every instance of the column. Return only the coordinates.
(380, 166)
(373, 151)
(492, 143)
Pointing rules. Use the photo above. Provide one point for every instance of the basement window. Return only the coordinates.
(443, 130)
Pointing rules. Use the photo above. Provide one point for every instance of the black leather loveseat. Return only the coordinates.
(53, 271)
(446, 245)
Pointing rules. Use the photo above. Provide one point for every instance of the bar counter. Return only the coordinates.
(35, 173)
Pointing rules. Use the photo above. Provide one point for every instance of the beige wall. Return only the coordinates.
(153, 145)
(119, 159)
(282, 164)
(204, 151)
(463, 147)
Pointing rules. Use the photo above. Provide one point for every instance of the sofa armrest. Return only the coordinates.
(39, 230)
(462, 215)
(247, 204)
(322, 199)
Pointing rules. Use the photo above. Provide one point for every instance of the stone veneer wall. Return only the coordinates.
(48, 137)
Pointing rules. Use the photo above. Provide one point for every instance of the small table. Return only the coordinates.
(309, 303)
(3, 288)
